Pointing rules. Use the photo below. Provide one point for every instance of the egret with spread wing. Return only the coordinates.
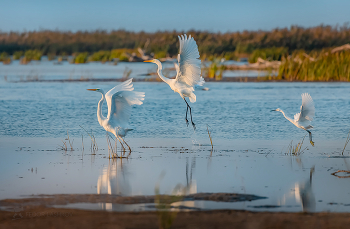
(119, 101)
(307, 112)
(188, 71)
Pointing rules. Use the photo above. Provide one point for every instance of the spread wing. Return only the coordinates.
(189, 64)
(119, 100)
(307, 109)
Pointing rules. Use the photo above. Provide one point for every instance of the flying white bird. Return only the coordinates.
(188, 71)
(119, 101)
(307, 112)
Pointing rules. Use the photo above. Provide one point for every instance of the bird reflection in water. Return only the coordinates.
(305, 195)
(189, 188)
(114, 181)
(302, 193)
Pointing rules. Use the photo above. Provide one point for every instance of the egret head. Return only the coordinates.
(157, 62)
(97, 90)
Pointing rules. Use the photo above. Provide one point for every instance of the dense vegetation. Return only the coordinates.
(228, 45)
(317, 66)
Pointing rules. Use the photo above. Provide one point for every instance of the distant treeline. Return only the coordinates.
(217, 44)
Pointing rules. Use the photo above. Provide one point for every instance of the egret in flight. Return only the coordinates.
(307, 112)
(188, 71)
(119, 101)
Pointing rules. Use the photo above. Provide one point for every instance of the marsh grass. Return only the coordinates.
(211, 140)
(81, 58)
(316, 66)
(127, 73)
(94, 146)
(273, 53)
(64, 146)
(34, 54)
(17, 55)
(215, 70)
(296, 150)
(346, 143)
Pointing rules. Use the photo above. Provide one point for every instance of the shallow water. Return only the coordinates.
(250, 143)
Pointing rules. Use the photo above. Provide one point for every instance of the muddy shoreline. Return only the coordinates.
(37, 212)
(46, 217)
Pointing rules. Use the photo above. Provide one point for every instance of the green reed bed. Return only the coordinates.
(316, 66)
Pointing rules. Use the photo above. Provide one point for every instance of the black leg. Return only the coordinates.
(186, 115)
(188, 107)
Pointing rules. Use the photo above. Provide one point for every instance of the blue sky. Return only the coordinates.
(150, 15)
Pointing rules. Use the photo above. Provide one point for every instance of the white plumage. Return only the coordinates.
(119, 101)
(188, 71)
(303, 119)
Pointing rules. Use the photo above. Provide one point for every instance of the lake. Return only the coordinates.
(250, 142)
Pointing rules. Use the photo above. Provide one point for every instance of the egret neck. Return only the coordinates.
(99, 109)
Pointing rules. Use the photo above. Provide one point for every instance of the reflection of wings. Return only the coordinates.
(189, 66)
(120, 99)
(113, 181)
(307, 109)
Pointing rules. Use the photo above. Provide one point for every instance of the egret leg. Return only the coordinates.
(116, 152)
(122, 146)
(188, 107)
(126, 144)
(186, 115)
(310, 138)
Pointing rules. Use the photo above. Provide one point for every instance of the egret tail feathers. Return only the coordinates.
(192, 98)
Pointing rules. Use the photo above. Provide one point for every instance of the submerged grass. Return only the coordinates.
(346, 143)
(94, 146)
(64, 146)
(211, 140)
(296, 150)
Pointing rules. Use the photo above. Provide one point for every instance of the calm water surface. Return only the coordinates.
(250, 143)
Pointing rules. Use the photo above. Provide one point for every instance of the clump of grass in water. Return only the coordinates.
(297, 149)
(211, 140)
(94, 146)
(64, 146)
(215, 70)
(346, 143)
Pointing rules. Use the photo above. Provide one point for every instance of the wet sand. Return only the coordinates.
(43, 217)
(37, 212)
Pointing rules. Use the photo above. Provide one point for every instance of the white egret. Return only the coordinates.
(188, 71)
(307, 112)
(119, 101)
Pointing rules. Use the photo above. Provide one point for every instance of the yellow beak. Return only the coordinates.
(148, 60)
(91, 89)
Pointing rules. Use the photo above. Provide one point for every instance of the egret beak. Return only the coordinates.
(148, 60)
(91, 89)
(273, 110)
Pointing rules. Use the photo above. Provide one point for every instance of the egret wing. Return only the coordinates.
(307, 109)
(121, 103)
(189, 64)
